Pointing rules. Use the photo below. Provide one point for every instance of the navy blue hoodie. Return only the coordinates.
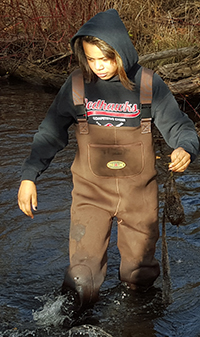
(109, 103)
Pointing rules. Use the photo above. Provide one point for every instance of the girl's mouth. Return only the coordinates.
(101, 75)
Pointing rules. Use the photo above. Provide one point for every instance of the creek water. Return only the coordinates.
(34, 253)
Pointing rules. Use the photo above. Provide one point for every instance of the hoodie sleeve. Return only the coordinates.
(175, 126)
(52, 135)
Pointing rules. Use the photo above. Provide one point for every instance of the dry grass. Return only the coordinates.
(40, 30)
(159, 25)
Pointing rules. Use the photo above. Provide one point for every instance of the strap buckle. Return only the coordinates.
(146, 125)
(83, 126)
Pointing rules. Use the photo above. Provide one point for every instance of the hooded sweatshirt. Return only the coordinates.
(108, 103)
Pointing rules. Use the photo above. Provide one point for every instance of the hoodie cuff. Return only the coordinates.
(29, 175)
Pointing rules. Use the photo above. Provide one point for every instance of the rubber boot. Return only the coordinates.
(80, 279)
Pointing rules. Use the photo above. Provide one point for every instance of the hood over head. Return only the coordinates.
(107, 26)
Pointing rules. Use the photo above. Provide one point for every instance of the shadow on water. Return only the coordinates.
(34, 253)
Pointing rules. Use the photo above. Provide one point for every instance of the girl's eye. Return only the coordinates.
(89, 58)
(105, 59)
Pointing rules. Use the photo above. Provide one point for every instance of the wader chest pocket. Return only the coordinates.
(116, 160)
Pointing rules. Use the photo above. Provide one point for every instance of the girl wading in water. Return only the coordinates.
(114, 168)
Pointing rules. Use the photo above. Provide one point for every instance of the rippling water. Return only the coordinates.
(34, 253)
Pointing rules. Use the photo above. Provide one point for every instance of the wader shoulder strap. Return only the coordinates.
(146, 99)
(78, 95)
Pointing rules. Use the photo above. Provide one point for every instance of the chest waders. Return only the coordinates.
(114, 176)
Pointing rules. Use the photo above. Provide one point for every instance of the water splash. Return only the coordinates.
(50, 314)
(88, 331)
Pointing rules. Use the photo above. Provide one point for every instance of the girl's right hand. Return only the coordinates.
(27, 197)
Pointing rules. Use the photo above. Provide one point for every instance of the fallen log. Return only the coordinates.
(33, 74)
(37, 76)
(186, 86)
(175, 71)
(179, 52)
(182, 77)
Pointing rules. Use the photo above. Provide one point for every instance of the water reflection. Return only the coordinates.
(33, 253)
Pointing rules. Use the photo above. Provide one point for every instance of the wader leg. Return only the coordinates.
(138, 233)
(89, 238)
(139, 268)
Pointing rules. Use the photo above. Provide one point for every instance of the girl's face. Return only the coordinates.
(103, 67)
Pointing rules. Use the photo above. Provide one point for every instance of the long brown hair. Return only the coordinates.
(108, 51)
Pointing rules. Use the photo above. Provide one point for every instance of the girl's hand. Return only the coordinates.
(27, 197)
(180, 159)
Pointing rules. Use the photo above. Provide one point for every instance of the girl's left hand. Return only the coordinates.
(180, 159)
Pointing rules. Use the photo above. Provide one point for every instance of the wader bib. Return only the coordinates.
(113, 176)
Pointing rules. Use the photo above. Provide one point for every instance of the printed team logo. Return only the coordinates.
(110, 124)
(116, 164)
(111, 114)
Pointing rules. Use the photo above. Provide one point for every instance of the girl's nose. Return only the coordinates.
(99, 65)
